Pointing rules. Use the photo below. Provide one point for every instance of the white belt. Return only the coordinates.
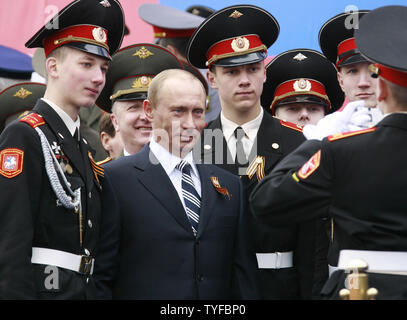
(62, 259)
(275, 260)
(378, 261)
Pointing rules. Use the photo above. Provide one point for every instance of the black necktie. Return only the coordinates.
(241, 158)
(76, 136)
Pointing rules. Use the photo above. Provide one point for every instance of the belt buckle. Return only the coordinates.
(85, 266)
(278, 260)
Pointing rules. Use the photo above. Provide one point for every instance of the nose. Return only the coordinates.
(244, 79)
(99, 76)
(303, 114)
(188, 121)
(365, 79)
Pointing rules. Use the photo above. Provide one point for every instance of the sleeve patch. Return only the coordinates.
(310, 166)
(11, 162)
(339, 136)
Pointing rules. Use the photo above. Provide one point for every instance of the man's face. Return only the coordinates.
(82, 77)
(301, 113)
(239, 87)
(357, 84)
(130, 121)
(178, 115)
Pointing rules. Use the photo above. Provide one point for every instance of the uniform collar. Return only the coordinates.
(70, 124)
(250, 128)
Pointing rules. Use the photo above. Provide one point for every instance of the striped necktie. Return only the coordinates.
(191, 197)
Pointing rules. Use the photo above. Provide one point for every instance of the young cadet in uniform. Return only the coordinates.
(130, 73)
(183, 234)
(50, 207)
(233, 45)
(353, 175)
(301, 87)
(337, 42)
(17, 100)
(172, 30)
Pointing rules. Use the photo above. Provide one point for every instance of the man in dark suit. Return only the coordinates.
(50, 198)
(245, 140)
(173, 229)
(357, 177)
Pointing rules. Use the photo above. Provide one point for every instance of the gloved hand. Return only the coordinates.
(336, 122)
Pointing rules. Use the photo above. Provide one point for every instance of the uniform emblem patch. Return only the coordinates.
(11, 162)
(310, 166)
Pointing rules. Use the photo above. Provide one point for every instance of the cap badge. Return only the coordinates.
(22, 93)
(99, 34)
(236, 14)
(105, 3)
(300, 57)
(302, 85)
(240, 44)
(141, 82)
(143, 53)
(195, 12)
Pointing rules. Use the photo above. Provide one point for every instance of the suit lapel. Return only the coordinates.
(67, 142)
(156, 181)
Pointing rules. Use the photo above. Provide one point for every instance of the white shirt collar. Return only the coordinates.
(250, 128)
(169, 161)
(70, 124)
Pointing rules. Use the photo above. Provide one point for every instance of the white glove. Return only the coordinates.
(336, 122)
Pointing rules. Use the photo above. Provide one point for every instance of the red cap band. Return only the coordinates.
(298, 87)
(393, 75)
(234, 47)
(172, 33)
(79, 33)
(346, 49)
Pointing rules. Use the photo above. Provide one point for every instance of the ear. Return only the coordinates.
(340, 80)
(115, 122)
(105, 139)
(51, 67)
(148, 109)
(265, 73)
(382, 90)
(211, 76)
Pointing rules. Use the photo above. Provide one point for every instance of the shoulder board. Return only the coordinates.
(339, 136)
(102, 162)
(291, 125)
(33, 119)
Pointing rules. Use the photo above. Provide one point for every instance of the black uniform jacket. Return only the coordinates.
(31, 216)
(360, 179)
(148, 249)
(274, 141)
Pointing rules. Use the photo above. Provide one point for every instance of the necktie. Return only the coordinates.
(241, 158)
(191, 197)
(76, 136)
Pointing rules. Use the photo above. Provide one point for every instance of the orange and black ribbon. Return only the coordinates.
(98, 171)
(256, 167)
(221, 190)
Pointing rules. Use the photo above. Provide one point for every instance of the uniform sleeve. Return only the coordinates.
(298, 188)
(21, 165)
(107, 259)
(246, 285)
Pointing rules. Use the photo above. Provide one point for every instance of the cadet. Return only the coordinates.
(233, 45)
(337, 42)
(128, 79)
(110, 139)
(301, 87)
(50, 199)
(353, 175)
(172, 30)
(17, 100)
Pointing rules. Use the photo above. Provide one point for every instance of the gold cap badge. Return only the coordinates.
(300, 57)
(22, 93)
(240, 44)
(302, 85)
(99, 35)
(235, 14)
(143, 53)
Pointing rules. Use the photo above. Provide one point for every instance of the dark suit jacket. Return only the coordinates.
(30, 215)
(274, 141)
(148, 250)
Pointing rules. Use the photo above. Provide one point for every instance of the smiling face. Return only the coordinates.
(357, 84)
(239, 87)
(177, 112)
(130, 121)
